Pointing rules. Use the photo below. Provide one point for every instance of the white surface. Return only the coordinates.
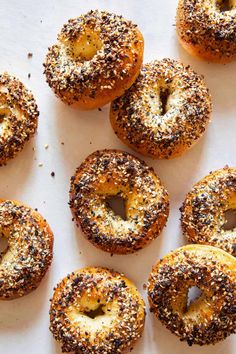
(24, 322)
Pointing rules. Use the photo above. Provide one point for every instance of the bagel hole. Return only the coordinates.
(95, 313)
(193, 294)
(3, 245)
(117, 204)
(224, 5)
(86, 46)
(164, 95)
(230, 220)
(2, 116)
(4, 112)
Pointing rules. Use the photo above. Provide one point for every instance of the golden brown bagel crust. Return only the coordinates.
(212, 316)
(203, 211)
(144, 123)
(18, 115)
(97, 57)
(29, 253)
(116, 173)
(90, 289)
(206, 30)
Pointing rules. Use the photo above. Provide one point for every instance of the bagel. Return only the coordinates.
(96, 310)
(212, 316)
(207, 28)
(203, 211)
(97, 57)
(18, 117)
(165, 111)
(29, 253)
(108, 173)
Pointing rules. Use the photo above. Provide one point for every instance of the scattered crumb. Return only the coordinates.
(40, 164)
(53, 174)
(99, 109)
(29, 76)
(62, 143)
(30, 55)
(90, 142)
(111, 254)
(46, 146)
(144, 286)
(36, 209)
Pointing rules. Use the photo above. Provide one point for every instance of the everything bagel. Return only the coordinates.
(203, 211)
(164, 112)
(96, 311)
(29, 253)
(211, 317)
(18, 117)
(207, 28)
(97, 57)
(108, 173)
